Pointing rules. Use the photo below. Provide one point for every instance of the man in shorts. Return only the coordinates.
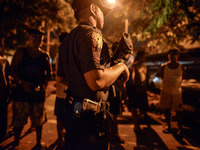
(171, 91)
(31, 70)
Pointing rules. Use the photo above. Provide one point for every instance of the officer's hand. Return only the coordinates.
(27, 87)
(125, 74)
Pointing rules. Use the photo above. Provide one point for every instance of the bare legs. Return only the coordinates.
(167, 114)
(38, 134)
(18, 131)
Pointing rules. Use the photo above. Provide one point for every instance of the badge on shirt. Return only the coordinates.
(97, 40)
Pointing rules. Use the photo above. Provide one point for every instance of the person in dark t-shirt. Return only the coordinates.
(137, 91)
(31, 70)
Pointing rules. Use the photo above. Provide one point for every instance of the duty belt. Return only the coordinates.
(85, 104)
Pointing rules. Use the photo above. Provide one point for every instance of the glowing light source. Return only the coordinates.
(112, 1)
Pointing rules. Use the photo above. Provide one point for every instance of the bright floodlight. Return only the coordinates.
(112, 1)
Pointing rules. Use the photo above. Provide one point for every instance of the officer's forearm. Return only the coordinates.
(102, 79)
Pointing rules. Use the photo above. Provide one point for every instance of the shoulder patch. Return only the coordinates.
(97, 40)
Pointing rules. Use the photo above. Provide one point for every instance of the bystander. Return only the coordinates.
(171, 91)
(31, 70)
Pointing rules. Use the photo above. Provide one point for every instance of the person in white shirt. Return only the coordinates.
(171, 91)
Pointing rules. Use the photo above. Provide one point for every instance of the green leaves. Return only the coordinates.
(17, 16)
(169, 22)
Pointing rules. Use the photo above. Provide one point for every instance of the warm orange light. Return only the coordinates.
(112, 1)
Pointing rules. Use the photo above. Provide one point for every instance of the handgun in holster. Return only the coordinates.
(96, 107)
(79, 106)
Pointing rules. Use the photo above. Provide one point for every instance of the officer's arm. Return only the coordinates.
(102, 79)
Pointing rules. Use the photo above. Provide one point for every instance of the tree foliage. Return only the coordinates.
(18, 16)
(165, 23)
(169, 22)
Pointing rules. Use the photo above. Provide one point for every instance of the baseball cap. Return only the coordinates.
(81, 4)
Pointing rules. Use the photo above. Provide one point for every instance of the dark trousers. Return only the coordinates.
(83, 133)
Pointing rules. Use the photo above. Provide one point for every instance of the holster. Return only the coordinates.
(80, 105)
(91, 105)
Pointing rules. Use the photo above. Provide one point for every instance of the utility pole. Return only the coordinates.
(126, 25)
(48, 40)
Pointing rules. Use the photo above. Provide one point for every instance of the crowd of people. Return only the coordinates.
(85, 70)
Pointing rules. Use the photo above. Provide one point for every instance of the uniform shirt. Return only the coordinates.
(83, 50)
(172, 80)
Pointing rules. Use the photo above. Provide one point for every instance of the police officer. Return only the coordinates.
(84, 61)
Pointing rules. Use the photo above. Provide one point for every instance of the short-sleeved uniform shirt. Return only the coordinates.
(83, 50)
